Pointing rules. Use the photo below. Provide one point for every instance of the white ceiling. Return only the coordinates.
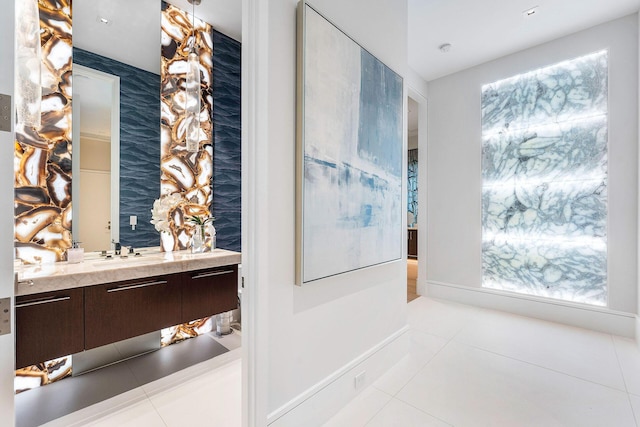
(478, 30)
(483, 30)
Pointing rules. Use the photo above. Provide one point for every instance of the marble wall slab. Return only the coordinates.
(42, 157)
(544, 195)
(189, 174)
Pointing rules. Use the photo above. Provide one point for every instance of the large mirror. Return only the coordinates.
(118, 43)
(96, 150)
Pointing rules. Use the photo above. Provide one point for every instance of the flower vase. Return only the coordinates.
(210, 238)
(198, 240)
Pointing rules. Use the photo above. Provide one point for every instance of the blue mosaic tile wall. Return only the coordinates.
(139, 144)
(227, 141)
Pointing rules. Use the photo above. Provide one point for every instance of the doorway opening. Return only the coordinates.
(412, 200)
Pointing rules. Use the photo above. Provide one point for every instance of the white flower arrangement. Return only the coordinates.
(162, 209)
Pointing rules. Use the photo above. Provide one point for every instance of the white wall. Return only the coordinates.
(6, 216)
(454, 157)
(95, 154)
(416, 82)
(314, 331)
(638, 236)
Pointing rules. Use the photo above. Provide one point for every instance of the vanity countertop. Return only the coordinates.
(34, 279)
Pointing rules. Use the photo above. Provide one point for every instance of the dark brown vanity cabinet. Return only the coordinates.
(48, 325)
(412, 244)
(121, 310)
(209, 292)
(60, 323)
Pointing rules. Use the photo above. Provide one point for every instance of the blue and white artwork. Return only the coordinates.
(412, 186)
(544, 170)
(352, 155)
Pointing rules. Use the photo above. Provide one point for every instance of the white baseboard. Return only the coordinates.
(319, 403)
(583, 316)
(421, 288)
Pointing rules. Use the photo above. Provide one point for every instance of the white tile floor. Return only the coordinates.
(206, 394)
(473, 367)
(466, 367)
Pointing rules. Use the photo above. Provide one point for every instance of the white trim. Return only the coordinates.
(97, 137)
(421, 288)
(583, 316)
(7, 139)
(114, 81)
(96, 171)
(336, 390)
(637, 335)
(255, 218)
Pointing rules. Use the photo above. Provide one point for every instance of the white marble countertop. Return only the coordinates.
(96, 270)
(412, 228)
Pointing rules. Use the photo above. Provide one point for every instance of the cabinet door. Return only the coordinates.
(48, 325)
(209, 292)
(413, 244)
(121, 310)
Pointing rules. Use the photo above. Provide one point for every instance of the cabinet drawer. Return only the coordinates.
(209, 292)
(48, 325)
(121, 310)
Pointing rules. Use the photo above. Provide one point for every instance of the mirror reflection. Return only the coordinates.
(116, 122)
(122, 39)
(97, 139)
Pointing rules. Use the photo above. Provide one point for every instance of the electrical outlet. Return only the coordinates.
(358, 381)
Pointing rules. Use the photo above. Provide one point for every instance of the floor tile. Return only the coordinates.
(231, 341)
(422, 348)
(361, 409)
(579, 352)
(440, 318)
(196, 371)
(212, 399)
(466, 386)
(629, 358)
(72, 394)
(142, 414)
(173, 358)
(100, 410)
(397, 413)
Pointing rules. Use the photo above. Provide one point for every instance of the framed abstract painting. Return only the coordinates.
(349, 153)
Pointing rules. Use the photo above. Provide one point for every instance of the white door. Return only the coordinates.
(95, 210)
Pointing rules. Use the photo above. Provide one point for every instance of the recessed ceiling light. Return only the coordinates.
(103, 20)
(444, 48)
(530, 12)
